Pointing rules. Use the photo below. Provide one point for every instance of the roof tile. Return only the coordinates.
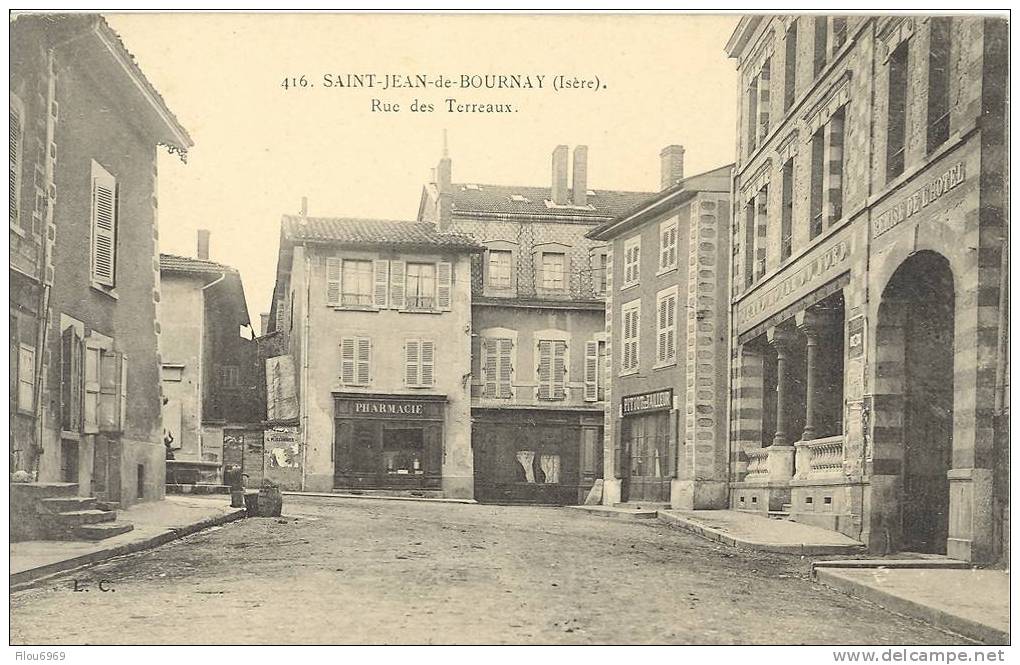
(373, 231)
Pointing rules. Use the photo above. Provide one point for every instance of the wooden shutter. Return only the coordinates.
(428, 362)
(671, 445)
(333, 274)
(347, 375)
(559, 390)
(364, 360)
(26, 378)
(397, 279)
(444, 279)
(72, 358)
(591, 371)
(490, 367)
(505, 374)
(671, 327)
(104, 226)
(412, 362)
(660, 352)
(111, 369)
(545, 353)
(381, 280)
(14, 172)
(90, 401)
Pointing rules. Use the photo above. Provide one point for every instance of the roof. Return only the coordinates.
(715, 180)
(174, 263)
(516, 200)
(360, 231)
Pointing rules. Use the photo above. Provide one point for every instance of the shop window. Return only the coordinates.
(538, 468)
(632, 261)
(419, 363)
(355, 361)
(667, 245)
(790, 77)
(629, 350)
(104, 226)
(554, 265)
(938, 81)
(356, 278)
(404, 451)
(500, 268)
(497, 367)
(665, 348)
(552, 369)
(896, 120)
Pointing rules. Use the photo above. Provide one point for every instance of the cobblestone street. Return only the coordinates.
(361, 571)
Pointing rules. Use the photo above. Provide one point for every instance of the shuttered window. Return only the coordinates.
(112, 391)
(554, 266)
(26, 378)
(665, 305)
(499, 268)
(552, 369)
(667, 244)
(632, 261)
(419, 363)
(497, 367)
(72, 380)
(444, 286)
(381, 283)
(104, 226)
(591, 371)
(357, 284)
(631, 323)
(397, 280)
(14, 163)
(355, 361)
(333, 285)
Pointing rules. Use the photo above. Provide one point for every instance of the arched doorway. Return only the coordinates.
(915, 325)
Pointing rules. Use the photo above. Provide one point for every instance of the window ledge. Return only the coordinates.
(354, 308)
(16, 228)
(629, 372)
(105, 290)
(629, 286)
(666, 270)
(664, 365)
(420, 311)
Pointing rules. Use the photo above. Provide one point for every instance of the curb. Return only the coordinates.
(956, 624)
(798, 549)
(616, 514)
(27, 578)
(331, 495)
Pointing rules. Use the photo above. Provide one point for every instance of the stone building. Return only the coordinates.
(868, 278)
(667, 323)
(85, 128)
(213, 406)
(372, 317)
(537, 321)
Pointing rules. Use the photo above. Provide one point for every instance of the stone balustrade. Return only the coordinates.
(757, 466)
(819, 458)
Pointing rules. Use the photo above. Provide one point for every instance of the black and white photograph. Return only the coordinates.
(438, 328)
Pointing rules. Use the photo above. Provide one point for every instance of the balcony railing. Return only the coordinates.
(356, 299)
(757, 466)
(421, 302)
(819, 458)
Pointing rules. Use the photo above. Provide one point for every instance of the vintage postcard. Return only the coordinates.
(510, 329)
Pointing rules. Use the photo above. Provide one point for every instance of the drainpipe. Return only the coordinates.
(305, 345)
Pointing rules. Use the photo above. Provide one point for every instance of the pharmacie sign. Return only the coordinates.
(656, 401)
(919, 200)
(389, 407)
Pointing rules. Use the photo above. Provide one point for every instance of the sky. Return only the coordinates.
(260, 147)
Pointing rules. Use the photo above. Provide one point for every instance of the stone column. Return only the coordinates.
(781, 452)
(812, 323)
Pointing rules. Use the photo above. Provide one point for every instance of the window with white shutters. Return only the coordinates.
(552, 369)
(26, 378)
(333, 285)
(398, 270)
(104, 226)
(665, 345)
(591, 371)
(444, 286)
(14, 160)
(632, 261)
(497, 367)
(420, 286)
(667, 245)
(381, 282)
(419, 363)
(355, 361)
(112, 391)
(629, 350)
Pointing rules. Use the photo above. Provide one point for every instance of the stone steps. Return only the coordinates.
(73, 518)
(101, 531)
(62, 504)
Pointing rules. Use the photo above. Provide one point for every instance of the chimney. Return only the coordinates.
(263, 323)
(203, 244)
(304, 206)
(672, 160)
(580, 183)
(559, 175)
(444, 183)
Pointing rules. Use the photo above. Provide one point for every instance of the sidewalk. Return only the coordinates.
(741, 529)
(155, 523)
(970, 602)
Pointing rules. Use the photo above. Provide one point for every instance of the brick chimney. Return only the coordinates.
(444, 183)
(580, 182)
(559, 175)
(672, 160)
(203, 244)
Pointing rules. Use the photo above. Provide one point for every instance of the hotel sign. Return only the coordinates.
(919, 200)
(656, 401)
(809, 272)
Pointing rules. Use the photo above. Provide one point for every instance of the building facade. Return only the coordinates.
(213, 405)
(867, 280)
(537, 319)
(85, 129)
(667, 316)
(374, 318)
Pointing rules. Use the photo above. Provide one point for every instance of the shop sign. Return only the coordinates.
(383, 407)
(919, 200)
(811, 271)
(390, 408)
(656, 401)
(855, 337)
